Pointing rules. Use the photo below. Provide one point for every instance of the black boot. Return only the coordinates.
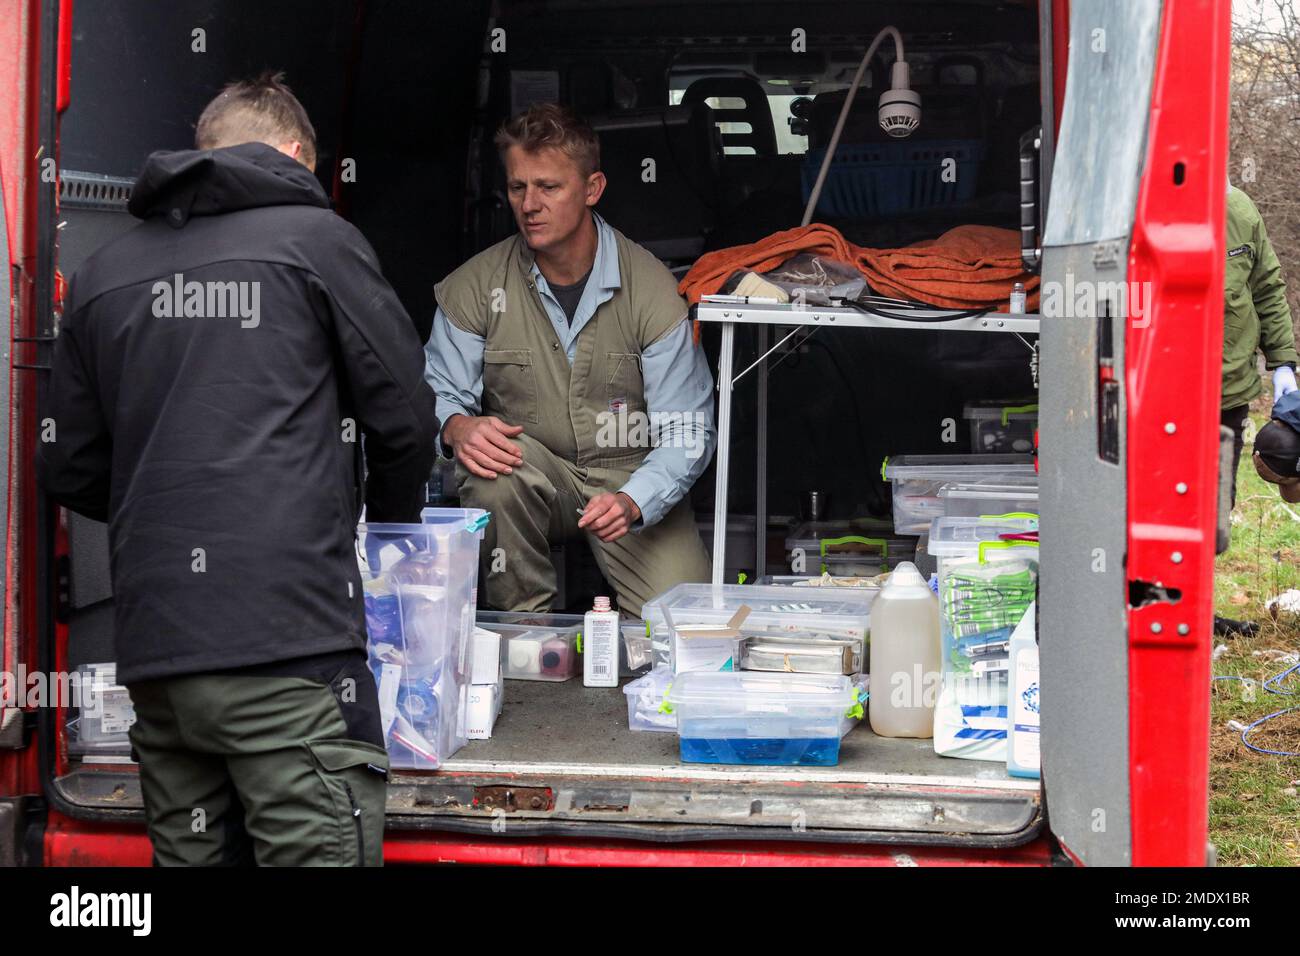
(1227, 627)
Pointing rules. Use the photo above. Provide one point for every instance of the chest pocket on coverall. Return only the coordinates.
(510, 385)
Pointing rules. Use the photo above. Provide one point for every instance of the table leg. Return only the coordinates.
(760, 449)
(723, 459)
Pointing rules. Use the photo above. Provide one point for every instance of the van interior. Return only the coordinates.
(737, 99)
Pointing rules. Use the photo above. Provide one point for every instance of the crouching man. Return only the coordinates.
(574, 398)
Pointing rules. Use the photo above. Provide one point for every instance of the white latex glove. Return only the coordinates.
(1283, 382)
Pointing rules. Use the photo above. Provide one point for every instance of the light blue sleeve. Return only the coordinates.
(453, 367)
(679, 399)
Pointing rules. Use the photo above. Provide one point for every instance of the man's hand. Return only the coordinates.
(609, 517)
(1283, 382)
(482, 444)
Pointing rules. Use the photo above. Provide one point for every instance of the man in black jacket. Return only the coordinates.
(215, 371)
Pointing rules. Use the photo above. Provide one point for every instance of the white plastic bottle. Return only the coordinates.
(600, 634)
(1024, 723)
(904, 656)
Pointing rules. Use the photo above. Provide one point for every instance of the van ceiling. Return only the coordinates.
(964, 23)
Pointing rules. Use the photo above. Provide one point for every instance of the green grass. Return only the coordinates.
(1254, 810)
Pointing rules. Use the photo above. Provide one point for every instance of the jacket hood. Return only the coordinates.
(207, 182)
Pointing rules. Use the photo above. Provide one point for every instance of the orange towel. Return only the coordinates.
(969, 267)
(713, 269)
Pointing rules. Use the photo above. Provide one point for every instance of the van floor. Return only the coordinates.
(564, 727)
(562, 761)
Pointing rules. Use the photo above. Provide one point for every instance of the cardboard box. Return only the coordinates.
(708, 647)
(483, 709)
(485, 659)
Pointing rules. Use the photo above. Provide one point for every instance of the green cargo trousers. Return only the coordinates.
(537, 505)
(240, 768)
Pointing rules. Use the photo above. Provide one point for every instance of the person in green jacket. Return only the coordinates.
(1256, 318)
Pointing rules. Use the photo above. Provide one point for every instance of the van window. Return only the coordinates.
(779, 103)
(1097, 171)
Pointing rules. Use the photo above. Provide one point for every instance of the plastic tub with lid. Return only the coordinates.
(918, 478)
(990, 499)
(1001, 427)
(760, 718)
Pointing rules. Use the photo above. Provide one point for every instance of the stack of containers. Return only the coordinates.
(986, 586)
(760, 674)
(917, 480)
(420, 583)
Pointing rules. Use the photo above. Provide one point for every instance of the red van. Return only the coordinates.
(1119, 111)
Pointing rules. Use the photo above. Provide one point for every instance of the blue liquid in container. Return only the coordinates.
(805, 751)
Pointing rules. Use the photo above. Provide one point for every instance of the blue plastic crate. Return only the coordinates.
(873, 180)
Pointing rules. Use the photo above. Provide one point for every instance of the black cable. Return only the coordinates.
(943, 317)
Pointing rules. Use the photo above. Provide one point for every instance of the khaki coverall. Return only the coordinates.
(528, 381)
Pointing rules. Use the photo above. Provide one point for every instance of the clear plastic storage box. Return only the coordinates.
(918, 478)
(823, 547)
(537, 646)
(839, 613)
(870, 583)
(754, 718)
(990, 499)
(645, 698)
(1001, 428)
(420, 585)
(986, 583)
(104, 713)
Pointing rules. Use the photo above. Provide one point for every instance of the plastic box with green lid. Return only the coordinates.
(843, 550)
(986, 584)
(918, 478)
(761, 718)
(832, 581)
(1002, 427)
(990, 499)
(419, 583)
(645, 698)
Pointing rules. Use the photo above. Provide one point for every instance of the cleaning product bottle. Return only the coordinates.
(600, 633)
(1023, 718)
(904, 656)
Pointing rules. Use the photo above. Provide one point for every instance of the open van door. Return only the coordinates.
(33, 89)
(1132, 341)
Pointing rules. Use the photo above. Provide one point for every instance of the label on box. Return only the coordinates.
(481, 711)
(705, 656)
(118, 712)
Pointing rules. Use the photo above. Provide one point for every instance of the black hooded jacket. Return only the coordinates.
(215, 371)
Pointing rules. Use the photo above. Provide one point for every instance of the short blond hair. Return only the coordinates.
(550, 125)
(261, 110)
